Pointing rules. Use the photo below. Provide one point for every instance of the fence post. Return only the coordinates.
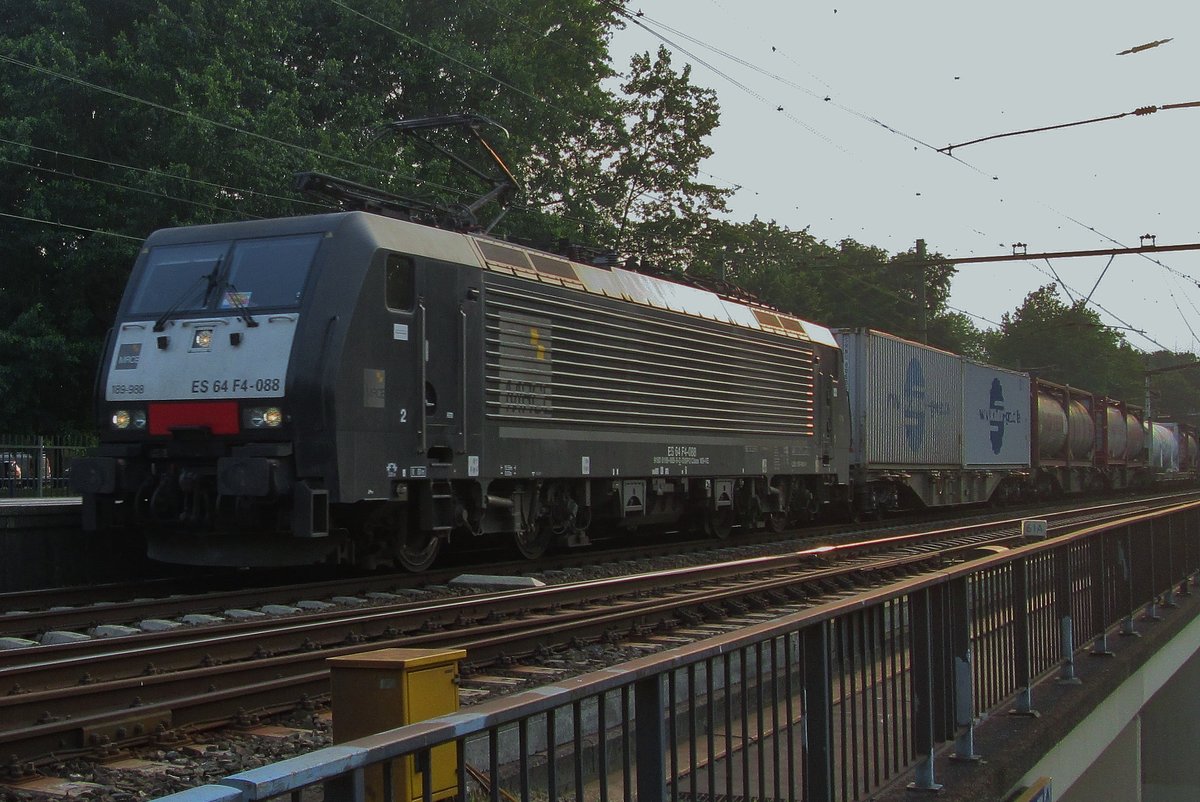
(817, 713)
(348, 787)
(964, 679)
(1168, 601)
(1152, 606)
(1189, 552)
(1097, 551)
(650, 738)
(1125, 560)
(1063, 585)
(923, 711)
(41, 466)
(1020, 614)
(1184, 547)
(1190, 531)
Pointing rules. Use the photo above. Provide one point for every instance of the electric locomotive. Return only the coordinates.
(352, 387)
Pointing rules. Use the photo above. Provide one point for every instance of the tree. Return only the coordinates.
(1067, 344)
(638, 187)
(847, 286)
(118, 118)
(1174, 390)
(658, 162)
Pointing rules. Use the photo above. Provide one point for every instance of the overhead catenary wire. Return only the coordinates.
(197, 118)
(636, 20)
(1141, 111)
(69, 226)
(644, 20)
(125, 187)
(1124, 324)
(161, 174)
(479, 71)
(343, 5)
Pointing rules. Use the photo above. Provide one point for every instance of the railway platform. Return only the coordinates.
(43, 545)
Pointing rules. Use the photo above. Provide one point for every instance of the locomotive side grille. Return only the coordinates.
(572, 360)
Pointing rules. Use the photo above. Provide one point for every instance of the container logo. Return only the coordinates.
(996, 405)
(997, 416)
(914, 405)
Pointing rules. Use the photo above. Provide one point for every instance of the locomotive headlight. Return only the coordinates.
(202, 339)
(129, 419)
(264, 417)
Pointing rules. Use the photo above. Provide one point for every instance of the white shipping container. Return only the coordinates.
(996, 416)
(905, 401)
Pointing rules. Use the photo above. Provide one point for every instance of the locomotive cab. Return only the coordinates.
(197, 427)
(255, 370)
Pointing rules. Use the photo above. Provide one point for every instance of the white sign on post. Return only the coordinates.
(1033, 529)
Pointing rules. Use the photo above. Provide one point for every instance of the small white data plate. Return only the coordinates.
(1034, 529)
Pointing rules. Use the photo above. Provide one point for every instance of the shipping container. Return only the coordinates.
(996, 416)
(906, 401)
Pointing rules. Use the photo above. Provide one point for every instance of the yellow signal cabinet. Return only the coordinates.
(387, 688)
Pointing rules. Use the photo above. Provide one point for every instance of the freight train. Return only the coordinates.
(352, 387)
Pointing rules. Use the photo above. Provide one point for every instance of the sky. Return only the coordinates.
(871, 90)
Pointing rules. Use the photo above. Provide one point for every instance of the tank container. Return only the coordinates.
(1136, 437)
(1164, 446)
(1118, 435)
(1054, 428)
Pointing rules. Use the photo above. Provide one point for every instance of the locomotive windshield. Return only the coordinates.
(252, 273)
(177, 278)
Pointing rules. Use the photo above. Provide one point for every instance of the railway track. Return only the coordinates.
(30, 614)
(102, 693)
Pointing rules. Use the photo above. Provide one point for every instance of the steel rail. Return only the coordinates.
(121, 697)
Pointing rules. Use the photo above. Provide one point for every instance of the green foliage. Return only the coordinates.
(38, 365)
(628, 182)
(652, 177)
(119, 117)
(1174, 386)
(849, 285)
(1067, 344)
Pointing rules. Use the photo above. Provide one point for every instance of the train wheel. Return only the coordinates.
(775, 522)
(533, 541)
(417, 550)
(389, 536)
(719, 523)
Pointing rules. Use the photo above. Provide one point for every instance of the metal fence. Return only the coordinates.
(830, 703)
(33, 466)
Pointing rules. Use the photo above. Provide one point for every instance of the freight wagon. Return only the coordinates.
(931, 428)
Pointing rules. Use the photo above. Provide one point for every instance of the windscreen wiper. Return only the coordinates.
(211, 278)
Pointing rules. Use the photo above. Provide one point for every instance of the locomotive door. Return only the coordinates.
(441, 320)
